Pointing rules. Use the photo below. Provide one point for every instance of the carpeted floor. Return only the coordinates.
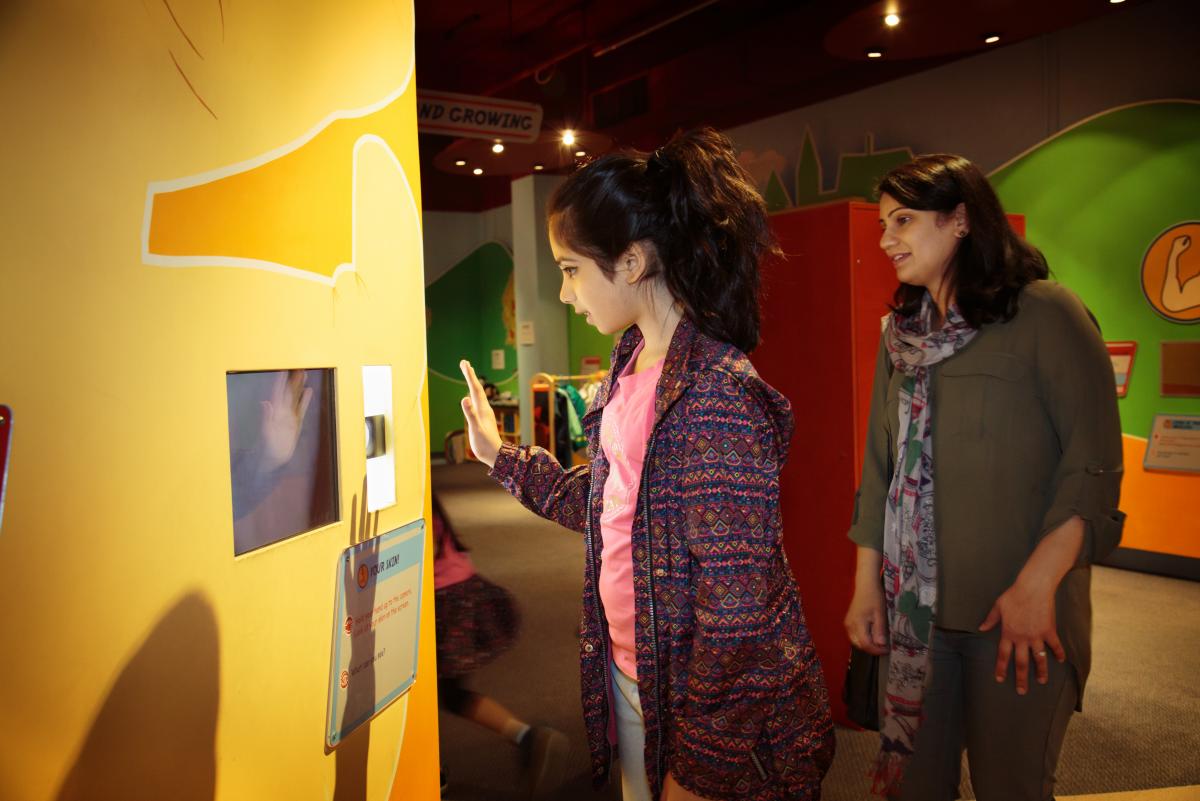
(1138, 730)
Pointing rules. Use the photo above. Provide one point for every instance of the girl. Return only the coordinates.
(477, 621)
(993, 384)
(696, 662)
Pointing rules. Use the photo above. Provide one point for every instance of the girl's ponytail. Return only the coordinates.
(695, 202)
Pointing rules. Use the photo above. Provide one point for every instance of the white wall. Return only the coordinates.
(451, 236)
(995, 105)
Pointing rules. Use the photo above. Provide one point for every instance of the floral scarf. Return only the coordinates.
(909, 538)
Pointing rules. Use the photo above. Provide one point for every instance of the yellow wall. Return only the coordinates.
(192, 187)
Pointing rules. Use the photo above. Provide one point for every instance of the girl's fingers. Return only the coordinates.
(473, 385)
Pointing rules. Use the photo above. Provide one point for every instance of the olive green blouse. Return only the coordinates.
(1026, 434)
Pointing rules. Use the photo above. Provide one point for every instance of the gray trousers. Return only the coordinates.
(1012, 741)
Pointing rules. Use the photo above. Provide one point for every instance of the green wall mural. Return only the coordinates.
(468, 320)
(1095, 198)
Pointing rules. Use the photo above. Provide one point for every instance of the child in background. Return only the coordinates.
(697, 666)
(476, 622)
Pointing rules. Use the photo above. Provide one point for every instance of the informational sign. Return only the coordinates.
(374, 654)
(1122, 354)
(1181, 369)
(525, 333)
(477, 117)
(589, 364)
(1171, 273)
(1174, 443)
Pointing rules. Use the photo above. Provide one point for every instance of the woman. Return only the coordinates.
(994, 387)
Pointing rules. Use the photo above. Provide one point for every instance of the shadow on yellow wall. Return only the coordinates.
(155, 734)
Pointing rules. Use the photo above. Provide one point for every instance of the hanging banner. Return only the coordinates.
(477, 117)
(374, 656)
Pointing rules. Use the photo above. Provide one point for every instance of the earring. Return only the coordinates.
(961, 234)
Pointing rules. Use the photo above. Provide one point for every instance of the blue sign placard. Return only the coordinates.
(375, 627)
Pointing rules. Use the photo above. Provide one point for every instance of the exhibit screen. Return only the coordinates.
(282, 454)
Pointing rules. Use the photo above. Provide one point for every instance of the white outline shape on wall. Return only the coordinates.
(175, 184)
(1086, 120)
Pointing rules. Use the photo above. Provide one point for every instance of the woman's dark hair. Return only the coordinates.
(697, 206)
(992, 264)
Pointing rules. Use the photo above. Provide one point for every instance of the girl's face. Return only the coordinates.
(609, 304)
(921, 244)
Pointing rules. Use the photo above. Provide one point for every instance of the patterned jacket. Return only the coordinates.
(734, 701)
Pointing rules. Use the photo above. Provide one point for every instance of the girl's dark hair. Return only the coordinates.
(699, 208)
(992, 264)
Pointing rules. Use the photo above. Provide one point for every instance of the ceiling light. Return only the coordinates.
(891, 20)
(460, 163)
(498, 147)
(478, 171)
(1115, 2)
(568, 138)
(874, 52)
(991, 39)
(539, 167)
(580, 153)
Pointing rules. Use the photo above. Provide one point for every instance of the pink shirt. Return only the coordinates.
(624, 432)
(452, 565)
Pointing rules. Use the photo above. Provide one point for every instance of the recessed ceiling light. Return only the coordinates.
(460, 163)
(478, 171)
(991, 39)
(580, 153)
(568, 138)
(891, 20)
(1115, 2)
(539, 167)
(874, 52)
(498, 147)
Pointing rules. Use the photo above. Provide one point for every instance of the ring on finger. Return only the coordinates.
(1040, 654)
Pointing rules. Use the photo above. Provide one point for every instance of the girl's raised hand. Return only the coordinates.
(482, 430)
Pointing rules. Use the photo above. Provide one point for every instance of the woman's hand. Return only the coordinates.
(482, 431)
(1025, 611)
(866, 621)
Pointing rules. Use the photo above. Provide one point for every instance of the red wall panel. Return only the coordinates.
(821, 323)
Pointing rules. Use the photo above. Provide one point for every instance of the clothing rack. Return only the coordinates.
(545, 390)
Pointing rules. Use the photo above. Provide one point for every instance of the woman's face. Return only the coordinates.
(920, 244)
(610, 305)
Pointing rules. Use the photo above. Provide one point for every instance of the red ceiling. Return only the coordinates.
(678, 63)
